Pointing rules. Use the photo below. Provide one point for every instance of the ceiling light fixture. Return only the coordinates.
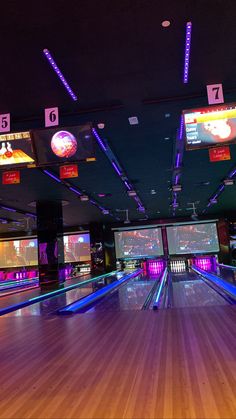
(165, 23)
(228, 182)
(84, 198)
(133, 120)
(132, 193)
(187, 51)
(59, 73)
(101, 125)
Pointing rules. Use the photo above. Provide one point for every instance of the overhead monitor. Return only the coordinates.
(16, 149)
(210, 126)
(66, 144)
(192, 239)
(77, 247)
(16, 253)
(139, 243)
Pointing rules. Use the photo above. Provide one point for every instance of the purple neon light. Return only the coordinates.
(52, 176)
(221, 188)
(8, 209)
(176, 179)
(127, 185)
(99, 140)
(117, 169)
(59, 73)
(31, 215)
(181, 128)
(177, 163)
(75, 191)
(232, 173)
(187, 51)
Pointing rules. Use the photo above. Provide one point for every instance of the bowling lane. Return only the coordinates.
(130, 296)
(52, 304)
(18, 294)
(189, 290)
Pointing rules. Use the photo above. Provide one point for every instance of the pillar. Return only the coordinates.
(102, 248)
(50, 244)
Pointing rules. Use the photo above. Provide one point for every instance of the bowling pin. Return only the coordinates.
(9, 148)
(3, 149)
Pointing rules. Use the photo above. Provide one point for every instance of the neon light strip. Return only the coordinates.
(225, 286)
(59, 73)
(163, 278)
(233, 268)
(91, 298)
(181, 128)
(187, 51)
(8, 209)
(51, 175)
(75, 190)
(117, 169)
(99, 140)
(51, 294)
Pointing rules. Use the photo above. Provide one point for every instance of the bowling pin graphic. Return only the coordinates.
(3, 149)
(9, 151)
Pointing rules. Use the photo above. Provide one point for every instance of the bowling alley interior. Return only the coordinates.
(118, 209)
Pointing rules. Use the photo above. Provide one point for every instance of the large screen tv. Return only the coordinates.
(193, 238)
(61, 145)
(77, 247)
(16, 149)
(140, 243)
(16, 253)
(210, 126)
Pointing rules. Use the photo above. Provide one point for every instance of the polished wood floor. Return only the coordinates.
(178, 363)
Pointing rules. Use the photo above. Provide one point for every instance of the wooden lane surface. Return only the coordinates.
(178, 363)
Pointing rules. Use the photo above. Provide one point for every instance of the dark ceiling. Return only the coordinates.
(120, 62)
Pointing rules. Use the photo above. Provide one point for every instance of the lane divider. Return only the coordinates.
(97, 295)
(51, 294)
(224, 286)
(162, 282)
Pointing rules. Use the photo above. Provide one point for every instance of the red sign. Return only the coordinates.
(11, 177)
(219, 154)
(68, 171)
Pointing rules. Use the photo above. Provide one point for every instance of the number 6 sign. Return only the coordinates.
(5, 122)
(51, 117)
(215, 94)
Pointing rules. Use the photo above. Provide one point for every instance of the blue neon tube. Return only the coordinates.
(51, 294)
(91, 298)
(225, 286)
(162, 282)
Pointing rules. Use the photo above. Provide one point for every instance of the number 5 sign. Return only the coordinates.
(5, 122)
(51, 117)
(215, 94)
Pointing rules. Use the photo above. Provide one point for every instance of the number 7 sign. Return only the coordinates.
(51, 117)
(215, 94)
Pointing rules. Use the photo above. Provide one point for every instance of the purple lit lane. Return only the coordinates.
(131, 296)
(189, 290)
(51, 305)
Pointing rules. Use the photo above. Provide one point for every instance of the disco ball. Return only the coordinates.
(63, 144)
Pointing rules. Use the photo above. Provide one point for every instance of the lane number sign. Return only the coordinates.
(5, 122)
(215, 94)
(51, 117)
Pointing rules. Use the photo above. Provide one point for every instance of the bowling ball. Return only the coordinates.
(8, 154)
(64, 144)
